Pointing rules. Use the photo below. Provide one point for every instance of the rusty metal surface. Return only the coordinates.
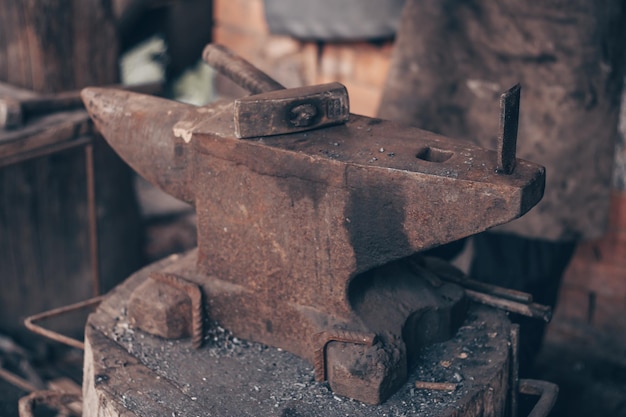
(293, 110)
(195, 295)
(509, 121)
(305, 233)
(324, 338)
(547, 392)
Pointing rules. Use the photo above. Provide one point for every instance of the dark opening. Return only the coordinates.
(434, 154)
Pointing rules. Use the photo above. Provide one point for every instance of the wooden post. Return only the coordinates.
(48, 47)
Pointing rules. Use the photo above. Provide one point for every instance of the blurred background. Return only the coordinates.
(140, 41)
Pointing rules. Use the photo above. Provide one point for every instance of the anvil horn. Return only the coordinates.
(146, 132)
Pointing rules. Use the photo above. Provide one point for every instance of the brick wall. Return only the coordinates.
(592, 302)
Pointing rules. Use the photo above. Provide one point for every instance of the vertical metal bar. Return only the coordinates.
(507, 138)
(514, 386)
(93, 219)
(547, 391)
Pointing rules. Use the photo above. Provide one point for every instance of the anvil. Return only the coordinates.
(306, 239)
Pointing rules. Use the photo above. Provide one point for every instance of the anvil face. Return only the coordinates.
(305, 239)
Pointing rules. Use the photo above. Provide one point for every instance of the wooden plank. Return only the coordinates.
(44, 239)
(15, 92)
(45, 131)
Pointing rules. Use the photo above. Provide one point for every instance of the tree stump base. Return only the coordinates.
(131, 373)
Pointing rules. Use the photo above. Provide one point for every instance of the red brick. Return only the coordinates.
(290, 62)
(372, 64)
(602, 278)
(617, 217)
(243, 43)
(360, 63)
(309, 55)
(578, 272)
(572, 305)
(609, 316)
(363, 99)
(611, 248)
(244, 15)
(337, 62)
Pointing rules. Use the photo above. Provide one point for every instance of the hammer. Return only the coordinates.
(273, 109)
(14, 112)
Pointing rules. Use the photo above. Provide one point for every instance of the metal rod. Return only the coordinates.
(496, 291)
(509, 121)
(531, 310)
(436, 386)
(19, 382)
(93, 219)
(547, 391)
(29, 322)
(448, 273)
(514, 339)
(242, 72)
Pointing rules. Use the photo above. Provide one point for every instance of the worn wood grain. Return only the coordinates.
(48, 47)
(49, 130)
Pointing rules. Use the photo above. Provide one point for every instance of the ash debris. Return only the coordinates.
(257, 380)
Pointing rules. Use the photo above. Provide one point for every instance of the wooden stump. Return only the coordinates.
(131, 373)
(47, 47)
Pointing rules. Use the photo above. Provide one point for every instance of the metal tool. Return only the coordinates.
(272, 110)
(14, 112)
(304, 237)
(509, 121)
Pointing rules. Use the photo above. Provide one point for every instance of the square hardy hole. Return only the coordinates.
(431, 154)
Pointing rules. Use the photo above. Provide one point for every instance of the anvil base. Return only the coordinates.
(131, 373)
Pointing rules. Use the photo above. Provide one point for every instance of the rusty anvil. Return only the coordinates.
(304, 230)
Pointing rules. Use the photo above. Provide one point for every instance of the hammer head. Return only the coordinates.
(291, 110)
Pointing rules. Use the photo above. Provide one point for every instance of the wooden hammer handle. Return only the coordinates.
(242, 72)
